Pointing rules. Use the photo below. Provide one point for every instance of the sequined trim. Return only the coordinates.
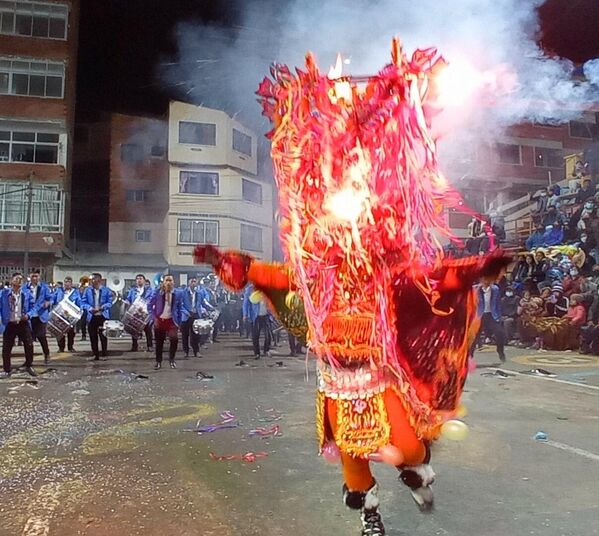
(352, 383)
(362, 425)
(320, 418)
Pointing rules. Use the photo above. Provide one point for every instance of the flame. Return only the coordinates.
(342, 89)
(336, 71)
(347, 204)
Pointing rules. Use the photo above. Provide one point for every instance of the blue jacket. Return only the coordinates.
(43, 304)
(495, 302)
(87, 302)
(205, 296)
(132, 294)
(535, 240)
(554, 237)
(249, 310)
(156, 306)
(27, 304)
(188, 309)
(75, 297)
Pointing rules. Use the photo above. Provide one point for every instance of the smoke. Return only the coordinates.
(591, 72)
(497, 38)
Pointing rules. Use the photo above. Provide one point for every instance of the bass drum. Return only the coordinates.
(136, 318)
(113, 329)
(62, 318)
(202, 326)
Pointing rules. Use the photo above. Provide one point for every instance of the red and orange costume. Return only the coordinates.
(361, 213)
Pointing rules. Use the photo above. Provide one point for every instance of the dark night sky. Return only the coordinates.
(122, 41)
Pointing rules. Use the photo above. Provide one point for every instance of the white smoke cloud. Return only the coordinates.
(591, 72)
(222, 67)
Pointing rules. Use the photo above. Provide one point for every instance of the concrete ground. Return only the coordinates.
(93, 449)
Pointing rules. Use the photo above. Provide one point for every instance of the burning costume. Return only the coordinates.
(361, 206)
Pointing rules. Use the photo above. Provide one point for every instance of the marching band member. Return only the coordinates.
(141, 290)
(42, 302)
(67, 292)
(166, 309)
(96, 302)
(16, 307)
(192, 310)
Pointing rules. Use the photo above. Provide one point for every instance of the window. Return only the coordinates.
(132, 152)
(35, 147)
(47, 207)
(545, 157)
(251, 191)
(197, 133)
(137, 196)
(157, 151)
(34, 19)
(198, 182)
(35, 78)
(198, 232)
(509, 153)
(142, 235)
(251, 237)
(578, 129)
(242, 143)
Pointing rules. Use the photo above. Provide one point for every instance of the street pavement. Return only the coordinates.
(111, 449)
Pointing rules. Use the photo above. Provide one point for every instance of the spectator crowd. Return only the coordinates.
(549, 300)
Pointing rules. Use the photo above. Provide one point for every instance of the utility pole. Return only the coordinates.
(29, 196)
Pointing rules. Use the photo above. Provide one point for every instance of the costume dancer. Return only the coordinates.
(365, 283)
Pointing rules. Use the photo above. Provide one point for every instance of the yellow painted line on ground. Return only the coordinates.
(572, 360)
(44, 504)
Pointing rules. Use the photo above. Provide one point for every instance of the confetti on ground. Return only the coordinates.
(248, 457)
(273, 430)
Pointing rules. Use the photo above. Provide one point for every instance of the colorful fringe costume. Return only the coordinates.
(365, 283)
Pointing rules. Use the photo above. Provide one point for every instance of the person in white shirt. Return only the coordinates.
(16, 304)
(165, 308)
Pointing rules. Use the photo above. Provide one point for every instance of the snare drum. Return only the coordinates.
(136, 318)
(113, 329)
(203, 326)
(62, 318)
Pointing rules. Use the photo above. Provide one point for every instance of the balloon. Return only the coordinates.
(330, 452)
(391, 454)
(461, 412)
(455, 430)
(471, 364)
(157, 279)
(256, 296)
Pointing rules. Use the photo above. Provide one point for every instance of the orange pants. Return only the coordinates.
(356, 471)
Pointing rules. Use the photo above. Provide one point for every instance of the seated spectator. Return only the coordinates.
(541, 267)
(552, 216)
(557, 189)
(535, 240)
(519, 268)
(530, 309)
(509, 313)
(557, 304)
(554, 235)
(572, 283)
(577, 314)
(586, 191)
(553, 198)
(541, 207)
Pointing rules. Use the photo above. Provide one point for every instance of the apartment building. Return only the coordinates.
(38, 59)
(215, 194)
(121, 193)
